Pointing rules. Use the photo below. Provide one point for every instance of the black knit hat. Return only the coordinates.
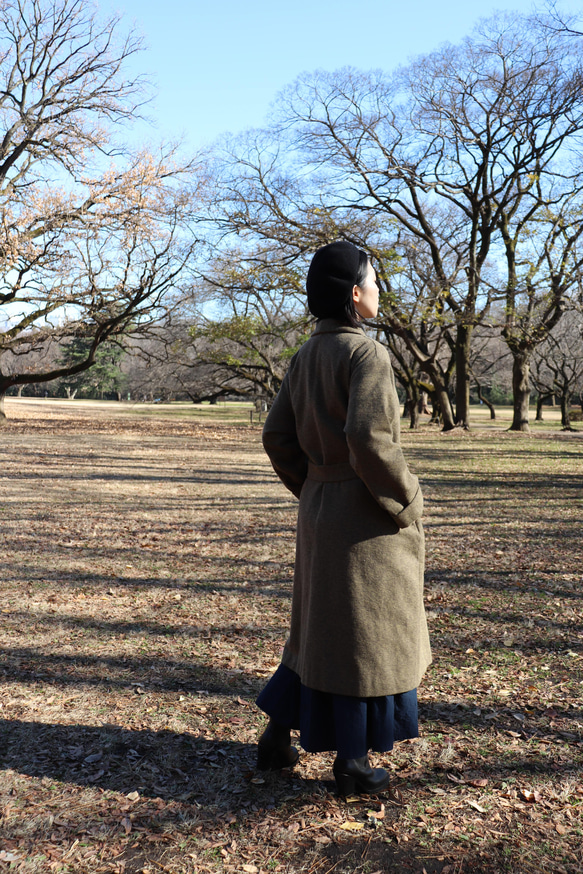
(331, 277)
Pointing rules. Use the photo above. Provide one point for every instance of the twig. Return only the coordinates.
(335, 865)
(365, 851)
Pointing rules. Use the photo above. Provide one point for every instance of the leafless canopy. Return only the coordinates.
(459, 160)
(92, 236)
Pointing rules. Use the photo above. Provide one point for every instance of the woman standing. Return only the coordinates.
(358, 643)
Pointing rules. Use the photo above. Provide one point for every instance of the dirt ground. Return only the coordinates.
(146, 563)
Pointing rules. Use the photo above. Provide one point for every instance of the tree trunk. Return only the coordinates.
(565, 412)
(413, 395)
(462, 375)
(435, 411)
(422, 405)
(2, 413)
(440, 398)
(447, 416)
(521, 390)
(485, 400)
(539, 408)
(413, 415)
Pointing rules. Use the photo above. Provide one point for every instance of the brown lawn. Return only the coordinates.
(146, 557)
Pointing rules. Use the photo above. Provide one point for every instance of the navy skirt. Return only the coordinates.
(344, 724)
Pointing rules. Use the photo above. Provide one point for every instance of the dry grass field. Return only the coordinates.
(146, 556)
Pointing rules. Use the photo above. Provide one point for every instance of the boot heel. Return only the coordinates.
(264, 759)
(271, 758)
(356, 776)
(345, 784)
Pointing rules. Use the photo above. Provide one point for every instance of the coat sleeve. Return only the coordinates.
(372, 433)
(280, 441)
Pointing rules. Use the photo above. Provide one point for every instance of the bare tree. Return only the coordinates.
(259, 319)
(280, 217)
(412, 309)
(444, 150)
(92, 239)
(558, 364)
(491, 364)
(559, 21)
(544, 257)
(163, 364)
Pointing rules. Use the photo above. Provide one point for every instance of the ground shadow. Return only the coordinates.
(156, 764)
(369, 855)
(216, 783)
(163, 674)
(559, 726)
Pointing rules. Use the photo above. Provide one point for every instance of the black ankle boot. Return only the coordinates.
(356, 776)
(274, 750)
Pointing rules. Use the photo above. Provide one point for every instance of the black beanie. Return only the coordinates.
(331, 278)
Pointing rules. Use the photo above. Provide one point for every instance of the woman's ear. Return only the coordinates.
(356, 293)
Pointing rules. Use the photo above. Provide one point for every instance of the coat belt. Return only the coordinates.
(331, 473)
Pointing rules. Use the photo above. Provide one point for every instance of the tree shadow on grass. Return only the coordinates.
(213, 581)
(214, 780)
(561, 726)
(109, 628)
(215, 784)
(162, 674)
(505, 581)
(156, 764)
(368, 855)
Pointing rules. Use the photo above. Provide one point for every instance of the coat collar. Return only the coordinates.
(333, 326)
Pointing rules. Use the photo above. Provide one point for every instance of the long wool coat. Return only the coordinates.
(358, 624)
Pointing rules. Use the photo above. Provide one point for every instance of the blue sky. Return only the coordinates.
(217, 65)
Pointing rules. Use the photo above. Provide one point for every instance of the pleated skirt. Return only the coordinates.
(344, 724)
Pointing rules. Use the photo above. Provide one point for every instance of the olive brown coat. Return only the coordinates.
(358, 624)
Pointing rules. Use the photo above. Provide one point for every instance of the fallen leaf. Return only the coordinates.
(560, 829)
(96, 757)
(530, 795)
(250, 869)
(476, 806)
(133, 796)
(352, 826)
(95, 777)
(455, 779)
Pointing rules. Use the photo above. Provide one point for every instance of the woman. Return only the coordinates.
(358, 643)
